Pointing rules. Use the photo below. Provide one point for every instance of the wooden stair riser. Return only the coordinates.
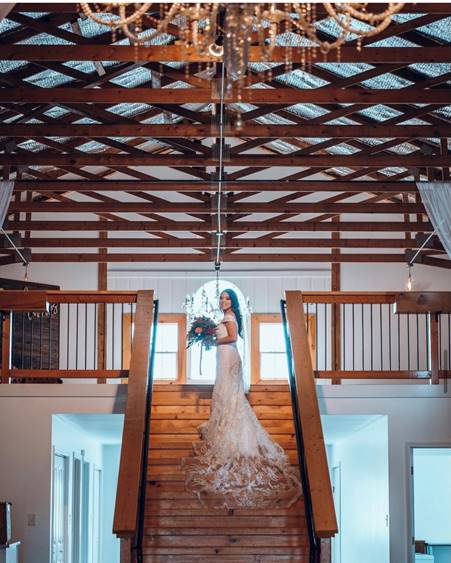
(174, 457)
(178, 412)
(241, 522)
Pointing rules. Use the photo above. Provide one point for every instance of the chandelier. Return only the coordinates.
(225, 31)
(196, 305)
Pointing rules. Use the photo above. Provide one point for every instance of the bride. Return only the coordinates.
(237, 464)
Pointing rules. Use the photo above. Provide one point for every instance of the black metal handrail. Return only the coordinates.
(138, 545)
(314, 540)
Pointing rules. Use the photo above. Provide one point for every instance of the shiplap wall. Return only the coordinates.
(264, 289)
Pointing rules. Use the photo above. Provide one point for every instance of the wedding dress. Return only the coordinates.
(237, 464)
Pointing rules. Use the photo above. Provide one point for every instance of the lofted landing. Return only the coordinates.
(177, 527)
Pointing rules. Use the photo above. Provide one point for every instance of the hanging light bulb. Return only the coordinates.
(409, 284)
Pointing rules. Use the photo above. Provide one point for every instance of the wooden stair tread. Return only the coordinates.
(225, 550)
(226, 559)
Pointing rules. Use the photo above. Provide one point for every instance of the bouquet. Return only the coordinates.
(202, 331)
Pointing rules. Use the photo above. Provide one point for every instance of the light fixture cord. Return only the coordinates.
(22, 257)
(219, 233)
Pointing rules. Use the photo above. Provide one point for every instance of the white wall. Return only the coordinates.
(26, 451)
(363, 461)
(264, 288)
(393, 277)
(66, 275)
(432, 494)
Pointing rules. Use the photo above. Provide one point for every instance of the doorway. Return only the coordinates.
(430, 470)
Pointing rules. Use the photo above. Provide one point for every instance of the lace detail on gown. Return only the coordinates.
(237, 464)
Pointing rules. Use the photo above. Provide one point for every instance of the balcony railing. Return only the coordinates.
(359, 335)
(54, 335)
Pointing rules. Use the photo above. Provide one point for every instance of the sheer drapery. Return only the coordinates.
(436, 197)
(6, 190)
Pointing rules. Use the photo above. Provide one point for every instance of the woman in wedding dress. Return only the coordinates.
(237, 464)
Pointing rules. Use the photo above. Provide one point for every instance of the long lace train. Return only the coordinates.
(237, 464)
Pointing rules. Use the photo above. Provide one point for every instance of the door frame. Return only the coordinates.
(96, 548)
(337, 537)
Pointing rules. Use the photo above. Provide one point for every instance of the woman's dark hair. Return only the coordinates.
(236, 309)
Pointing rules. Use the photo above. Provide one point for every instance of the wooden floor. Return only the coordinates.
(177, 527)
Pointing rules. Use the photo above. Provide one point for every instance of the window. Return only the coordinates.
(268, 353)
(169, 351)
(170, 356)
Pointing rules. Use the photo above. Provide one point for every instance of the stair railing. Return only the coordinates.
(145, 456)
(128, 521)
(317, 490)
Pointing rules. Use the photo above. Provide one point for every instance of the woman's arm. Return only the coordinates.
(232, 334)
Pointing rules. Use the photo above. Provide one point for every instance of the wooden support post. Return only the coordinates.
(336, 313)
(444, 151)
(102, 285)
(434, 347)
(6, 347)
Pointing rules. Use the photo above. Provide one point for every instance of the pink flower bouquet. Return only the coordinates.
(202, 331)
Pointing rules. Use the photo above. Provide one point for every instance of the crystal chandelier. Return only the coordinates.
(197, 306)
(225, 31)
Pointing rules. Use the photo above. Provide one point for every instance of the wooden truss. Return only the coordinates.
(82, 138)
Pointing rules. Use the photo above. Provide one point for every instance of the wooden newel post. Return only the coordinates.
(435, 347)
(6, 347)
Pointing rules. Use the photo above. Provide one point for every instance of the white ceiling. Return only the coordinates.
(104, 428)
(340, 427)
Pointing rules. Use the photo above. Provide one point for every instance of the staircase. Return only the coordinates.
(176, 526)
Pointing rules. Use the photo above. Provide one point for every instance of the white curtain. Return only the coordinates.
(6, 190)
(436, 197)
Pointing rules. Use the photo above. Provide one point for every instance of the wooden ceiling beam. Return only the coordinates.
(240, 257)
(200, 186)
(183, 130)
(291, 96)
(206, 227)
(174, 53)
(205, 208)
(63, 242)
(72, 8)
(47, 158)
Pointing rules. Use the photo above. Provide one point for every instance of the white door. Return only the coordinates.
(60, 508)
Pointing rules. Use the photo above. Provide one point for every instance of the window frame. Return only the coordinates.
(163, 318)
(256, 320)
